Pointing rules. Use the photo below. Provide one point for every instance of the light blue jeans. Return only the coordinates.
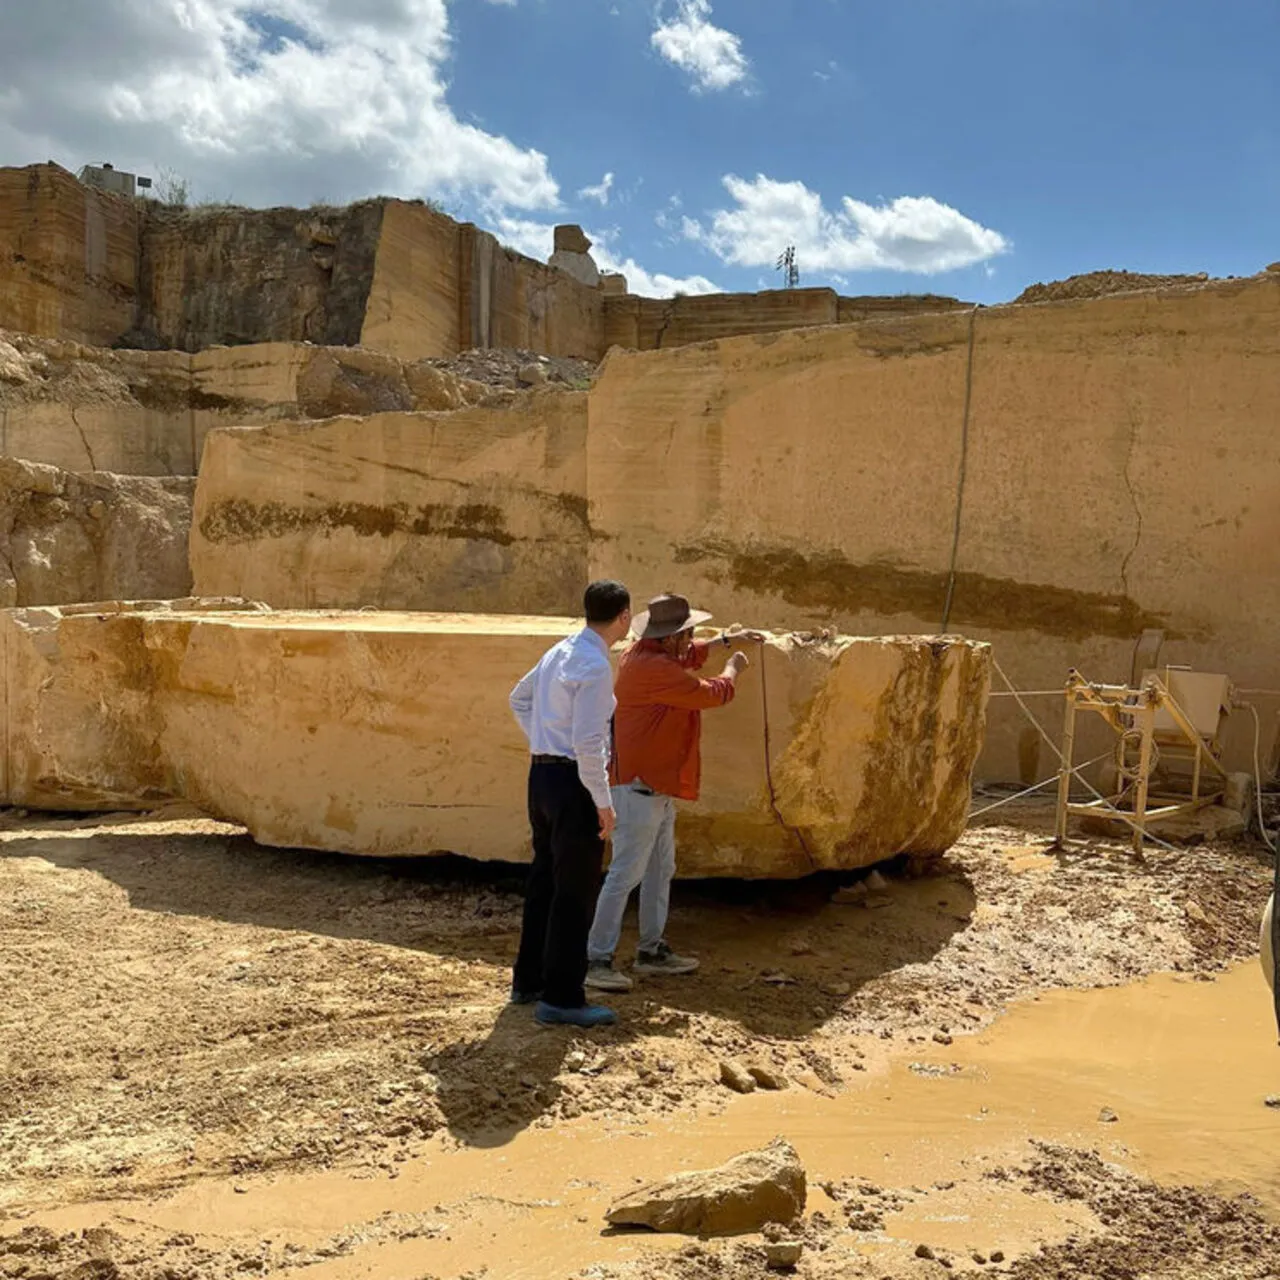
(644, 854)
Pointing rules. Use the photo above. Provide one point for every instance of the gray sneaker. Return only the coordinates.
(602, 976)
(662, 960)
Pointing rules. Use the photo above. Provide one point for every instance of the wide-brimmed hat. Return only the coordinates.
(667, 615)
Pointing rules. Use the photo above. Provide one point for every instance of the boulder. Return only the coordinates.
(570, 238)
(783, 1255)
(389, 734)
(740, 1196)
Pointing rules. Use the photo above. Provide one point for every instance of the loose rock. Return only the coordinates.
(737, 1077)
(782, 1255)
(766, 1077)
(742, 1195)
(1107, 1116)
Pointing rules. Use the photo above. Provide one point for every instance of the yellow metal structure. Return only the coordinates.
(1173, 718)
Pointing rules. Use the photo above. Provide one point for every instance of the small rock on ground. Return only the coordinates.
(766, 1077)
(737, 1077)
(742, 1195)
(782, 1255)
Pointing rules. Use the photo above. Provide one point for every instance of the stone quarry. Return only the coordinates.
(289, 500)
(411, 418)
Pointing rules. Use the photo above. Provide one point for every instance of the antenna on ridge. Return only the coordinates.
(787, 265)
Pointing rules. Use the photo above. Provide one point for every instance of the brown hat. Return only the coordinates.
(667, 615)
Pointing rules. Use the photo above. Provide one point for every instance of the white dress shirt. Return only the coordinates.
(564, 706)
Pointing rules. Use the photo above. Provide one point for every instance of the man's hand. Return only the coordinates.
(737, 664)
(737, 633)
(608, 820)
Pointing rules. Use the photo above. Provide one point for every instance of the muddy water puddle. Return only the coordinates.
(1182, 1065)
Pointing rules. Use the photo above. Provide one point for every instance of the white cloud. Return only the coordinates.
(666, 214)
(537, 240)
(600, 192)
(911, 233)
(712, 56)
(282, 101)
(654, 284)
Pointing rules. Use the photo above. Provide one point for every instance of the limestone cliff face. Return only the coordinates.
(236, 276)
(394, 275)
(68, 256)
(65, 538)
(480, 509)
(389, 734)
(440, 287)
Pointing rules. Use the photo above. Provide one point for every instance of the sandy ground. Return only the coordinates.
(199, 1036)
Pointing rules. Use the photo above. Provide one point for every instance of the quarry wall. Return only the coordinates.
(393, 275)
(68, 256)
(66, 537)
(440, 287)
(647, 324)
(208, 277)
(1120, 464)
(148, 412)
(1121, 470)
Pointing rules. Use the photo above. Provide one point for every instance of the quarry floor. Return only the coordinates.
(220, 1060)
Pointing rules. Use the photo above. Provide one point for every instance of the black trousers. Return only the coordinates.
(564, 882)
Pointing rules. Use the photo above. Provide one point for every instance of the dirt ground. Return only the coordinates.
(191, 1020)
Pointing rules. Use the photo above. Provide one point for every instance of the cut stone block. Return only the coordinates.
(389, 734)
(482, 508)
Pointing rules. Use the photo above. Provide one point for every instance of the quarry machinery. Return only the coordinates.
(1167, 760)
(1167, 763)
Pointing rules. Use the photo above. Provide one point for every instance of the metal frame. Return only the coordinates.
(1128, 710)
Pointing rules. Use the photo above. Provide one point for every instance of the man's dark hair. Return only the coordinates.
(603, 601)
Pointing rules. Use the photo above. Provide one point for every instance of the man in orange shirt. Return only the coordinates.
(657, 760)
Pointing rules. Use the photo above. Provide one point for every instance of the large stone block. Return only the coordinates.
(389, 734)
(482, 509)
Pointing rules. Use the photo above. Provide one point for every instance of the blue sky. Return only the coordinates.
(1088, 133)
(958, 146)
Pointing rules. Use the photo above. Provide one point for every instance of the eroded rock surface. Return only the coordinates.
(66, 538)
(741, 1195)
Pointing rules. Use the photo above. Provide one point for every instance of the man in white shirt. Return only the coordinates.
(564, 707)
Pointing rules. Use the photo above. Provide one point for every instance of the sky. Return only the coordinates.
(964, 147)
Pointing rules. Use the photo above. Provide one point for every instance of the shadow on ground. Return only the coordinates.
(778, 957)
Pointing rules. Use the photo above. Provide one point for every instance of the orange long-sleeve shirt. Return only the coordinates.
(658, 723)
